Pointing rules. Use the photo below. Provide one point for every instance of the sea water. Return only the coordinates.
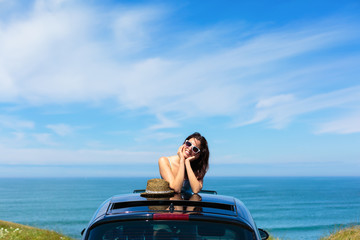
(288, 207)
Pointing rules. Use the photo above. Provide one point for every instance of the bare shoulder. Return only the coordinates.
(164, 160)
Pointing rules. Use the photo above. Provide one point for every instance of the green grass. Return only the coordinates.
(14, 231)
(273, 238)
(351, 233)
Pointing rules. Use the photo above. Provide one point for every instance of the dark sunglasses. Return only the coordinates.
(194, 148)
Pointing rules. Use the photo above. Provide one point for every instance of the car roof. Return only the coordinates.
(210, 206)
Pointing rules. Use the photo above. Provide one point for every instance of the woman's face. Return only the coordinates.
(188, 150)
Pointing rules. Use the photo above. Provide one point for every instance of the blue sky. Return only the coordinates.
(105, 88)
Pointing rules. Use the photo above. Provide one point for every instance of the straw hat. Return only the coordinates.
(157, 187)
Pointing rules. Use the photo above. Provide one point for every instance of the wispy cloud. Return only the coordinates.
(60, 129)
(133, 28)
(163, 123)
(36, 156)
(44, 139)
(343, 125)
(279, 110)
(60, 55)
(14, 123)
(55, 54)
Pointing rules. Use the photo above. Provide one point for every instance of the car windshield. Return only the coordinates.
(164, 229)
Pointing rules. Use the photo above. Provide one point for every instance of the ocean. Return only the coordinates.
(294, 208)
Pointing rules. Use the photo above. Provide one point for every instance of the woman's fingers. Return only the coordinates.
(180, 152)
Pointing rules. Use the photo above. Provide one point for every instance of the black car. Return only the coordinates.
(198, 216)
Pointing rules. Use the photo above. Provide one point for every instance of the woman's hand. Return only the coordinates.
(180, 153)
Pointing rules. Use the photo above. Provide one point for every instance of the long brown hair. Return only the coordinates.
(201, 165)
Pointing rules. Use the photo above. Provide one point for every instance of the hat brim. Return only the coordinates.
(158, 195)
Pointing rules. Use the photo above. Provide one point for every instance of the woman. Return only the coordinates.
(186, 170)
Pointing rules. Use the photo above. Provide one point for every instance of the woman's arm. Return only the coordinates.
(196, 185)
(175, 182)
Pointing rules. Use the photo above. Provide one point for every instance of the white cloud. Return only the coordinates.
(287, 108)
(158, 136)
(65, 52)
(226, 82)
(17, 138)
(164, 123)
(60, 129)
(11, 122)
(7, 87)
(344, 125)
(133, 28)
(44, 139)
(35, 156)
(272, 101)
(49, 4)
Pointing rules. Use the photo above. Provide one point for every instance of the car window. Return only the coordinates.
(164, 229)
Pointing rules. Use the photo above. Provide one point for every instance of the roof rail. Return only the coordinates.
(139, 191)
(208, 192)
